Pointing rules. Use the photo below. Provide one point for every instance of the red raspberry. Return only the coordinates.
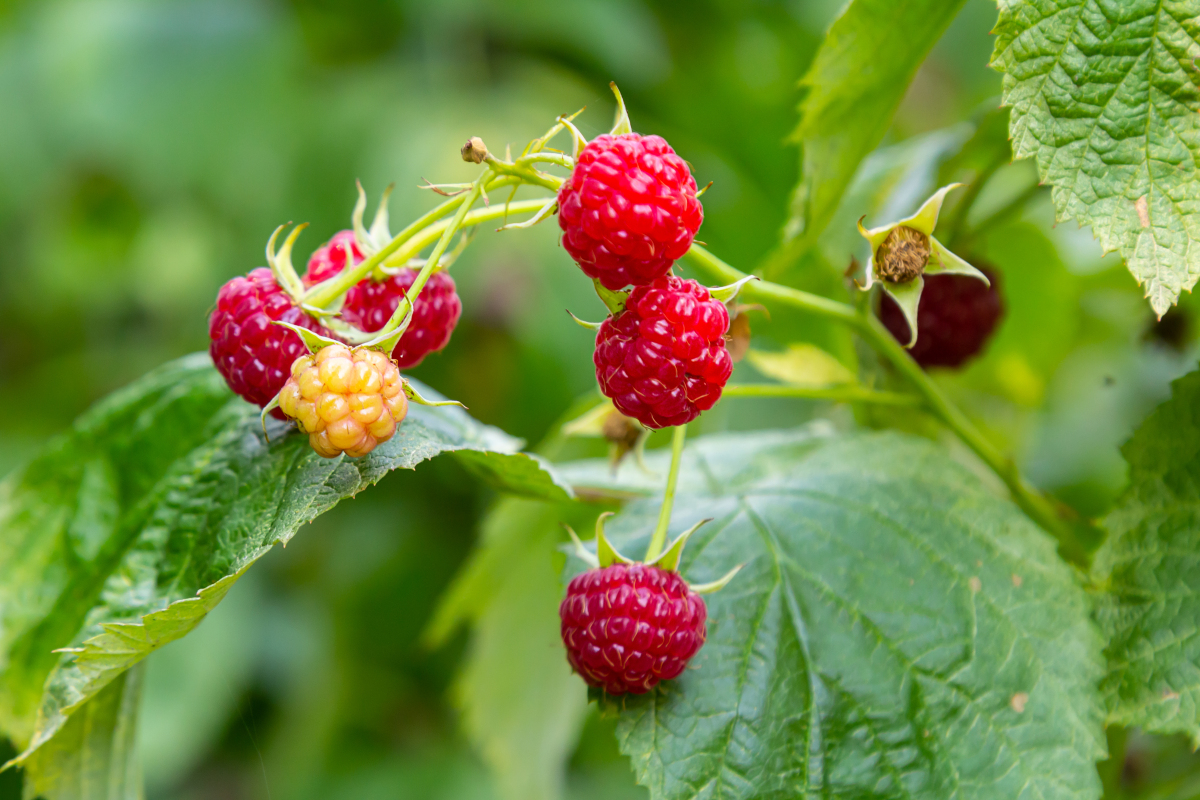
(663, 359)
(330, 258)
(254, 356)
(370, 304)
(629, 626)
(956, 317)
(628, 209)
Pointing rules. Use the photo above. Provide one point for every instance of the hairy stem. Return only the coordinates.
(326, 292)
(659, 540)
(403, 313)
(1076, 541)
(846, 394)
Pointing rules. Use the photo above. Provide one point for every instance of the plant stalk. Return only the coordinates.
(1076, 542)
(845, 394)
(659, 540)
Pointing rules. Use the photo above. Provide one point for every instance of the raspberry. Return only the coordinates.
(250, 353)
(330, 258)
(370, 304)
(663, 359)
(629, 626)
(956, 317)
(345, 400)
(628, 209)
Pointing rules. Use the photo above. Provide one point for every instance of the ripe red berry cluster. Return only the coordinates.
(956, 318)
(663, 359)
(254, 356)
(629, 626)
(628, 210)
(370, 304)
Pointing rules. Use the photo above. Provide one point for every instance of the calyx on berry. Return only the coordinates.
(904, 252)
(628, 625)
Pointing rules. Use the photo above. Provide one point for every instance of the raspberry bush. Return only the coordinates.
(784, 597)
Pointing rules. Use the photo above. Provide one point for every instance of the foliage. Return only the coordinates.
(896, 631)
(1104, 95)
(904, 624)
(1152, 608)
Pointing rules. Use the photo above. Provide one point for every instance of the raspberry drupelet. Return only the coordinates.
(370, 303)
(347, 401)
(253, 355)
(628, 626)
(628, 209)
(663, 359)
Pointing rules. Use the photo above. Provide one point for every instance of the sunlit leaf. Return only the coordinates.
(130, 527)
(1105, 95)
(897, 631)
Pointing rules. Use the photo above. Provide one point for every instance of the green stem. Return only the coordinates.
(659, 540)
(997, 216)
(956, 225)
(1076, 543)
(326, 292)
(432, 233)
(525, 174)
(847, 394)
(400, 317)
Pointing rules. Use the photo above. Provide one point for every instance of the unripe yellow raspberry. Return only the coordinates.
(347, 401)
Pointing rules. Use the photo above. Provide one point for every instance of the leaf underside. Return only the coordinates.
(1151, 566)
(896, 632)
(1105, 97)
(129, 528)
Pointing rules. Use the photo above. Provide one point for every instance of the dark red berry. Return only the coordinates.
(370, 304)
(628, 209)
(254, 356)
(628, 626)
(330, 258)
(956, 317)
(663, 359)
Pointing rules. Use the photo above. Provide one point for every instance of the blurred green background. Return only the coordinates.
(147, 150)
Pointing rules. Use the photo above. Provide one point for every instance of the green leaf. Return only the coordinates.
(855, 84)
(1151, 567)
(1105, 96)
(897, 631)
(130, 527)
(94, 756)
(522, 707)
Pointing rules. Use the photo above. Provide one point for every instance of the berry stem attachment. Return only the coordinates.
(659, 540)
(1077, 541)
(395, 327)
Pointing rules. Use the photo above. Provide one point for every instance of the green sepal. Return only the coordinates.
(542, 213)
(581, 552)
(537, 145)
(606, 554)
(727, 294)
(267, 409)
(613, 300)
(356, 216)
(280, 261)
(908, 297)
(380, 233)
(315, 342)
(621, 124)
(943, 262)
(669, 558)
(415, 396)
(583, 323)
(386, 343)
(717, 585)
